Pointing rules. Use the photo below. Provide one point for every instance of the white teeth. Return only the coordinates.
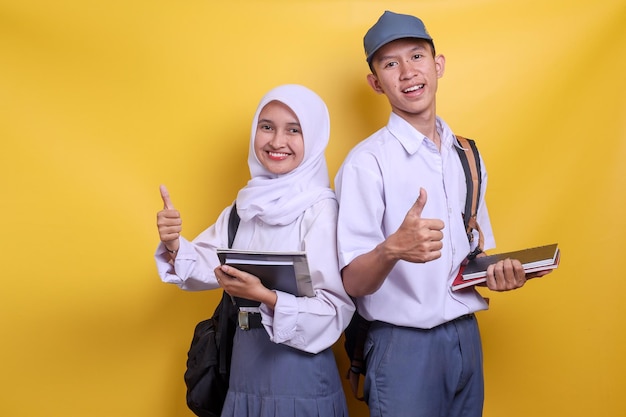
(278, 155)
(414, 88)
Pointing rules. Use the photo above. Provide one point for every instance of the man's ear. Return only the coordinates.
(440, 65)
(372, 80)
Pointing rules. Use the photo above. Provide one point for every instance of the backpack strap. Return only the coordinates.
(226, 307)
(355, 335)
(233, 224)
(470, 160)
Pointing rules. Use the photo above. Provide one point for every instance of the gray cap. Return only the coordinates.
(391, 26)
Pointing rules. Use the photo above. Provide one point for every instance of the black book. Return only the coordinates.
(282, 271)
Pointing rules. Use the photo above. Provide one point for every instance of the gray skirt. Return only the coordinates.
(274, 380)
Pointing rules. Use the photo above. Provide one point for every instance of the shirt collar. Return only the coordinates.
(411, 139)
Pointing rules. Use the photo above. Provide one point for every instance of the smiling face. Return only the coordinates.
(406, 71)
(278, 142)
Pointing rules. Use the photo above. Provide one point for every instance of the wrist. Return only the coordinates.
(386, 252)
(270, 299)
(171, 251)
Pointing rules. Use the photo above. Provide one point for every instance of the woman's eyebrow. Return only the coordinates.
(272, 122)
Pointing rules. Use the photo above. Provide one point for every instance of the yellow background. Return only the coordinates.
(102, 101)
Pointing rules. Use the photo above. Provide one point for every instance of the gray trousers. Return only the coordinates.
(425, 373)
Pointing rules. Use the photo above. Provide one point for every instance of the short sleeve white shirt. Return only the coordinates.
(376, 186)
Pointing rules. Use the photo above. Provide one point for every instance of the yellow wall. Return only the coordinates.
(101, 101)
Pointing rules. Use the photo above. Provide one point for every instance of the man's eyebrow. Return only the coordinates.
(381, 58)
(395, 56)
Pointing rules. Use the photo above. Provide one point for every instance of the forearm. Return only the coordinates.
(367, 272)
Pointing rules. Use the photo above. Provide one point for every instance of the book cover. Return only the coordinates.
(532, 259)
(282, 271)
(536, 259)
(460, 283)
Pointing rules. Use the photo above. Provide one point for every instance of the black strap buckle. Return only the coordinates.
(474, 253)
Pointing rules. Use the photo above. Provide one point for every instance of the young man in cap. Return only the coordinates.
(402, 239)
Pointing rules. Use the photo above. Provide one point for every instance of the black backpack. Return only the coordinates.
(356, 332)
(208, 359)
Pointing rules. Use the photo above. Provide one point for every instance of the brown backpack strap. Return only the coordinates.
(470, 160)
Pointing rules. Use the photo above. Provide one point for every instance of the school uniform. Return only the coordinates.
(282, 365)
(424, 338)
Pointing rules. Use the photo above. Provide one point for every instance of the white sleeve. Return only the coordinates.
(195, 261)
(313, 324)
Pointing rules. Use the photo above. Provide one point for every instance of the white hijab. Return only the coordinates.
(281, 199)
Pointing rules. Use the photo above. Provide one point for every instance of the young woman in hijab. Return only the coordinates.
(283, 366)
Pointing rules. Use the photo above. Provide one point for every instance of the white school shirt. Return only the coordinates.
(376, 186)
(311, 324)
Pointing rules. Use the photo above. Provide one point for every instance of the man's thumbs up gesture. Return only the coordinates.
(417, 239)
(169, 223)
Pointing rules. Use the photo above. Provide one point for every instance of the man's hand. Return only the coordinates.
(417, 240)
(506, 275)
(169, 222)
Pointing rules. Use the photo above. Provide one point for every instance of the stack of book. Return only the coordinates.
(283, 271)
(536, 259)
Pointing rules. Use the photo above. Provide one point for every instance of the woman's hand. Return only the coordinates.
(169, 223)
(244, 285)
